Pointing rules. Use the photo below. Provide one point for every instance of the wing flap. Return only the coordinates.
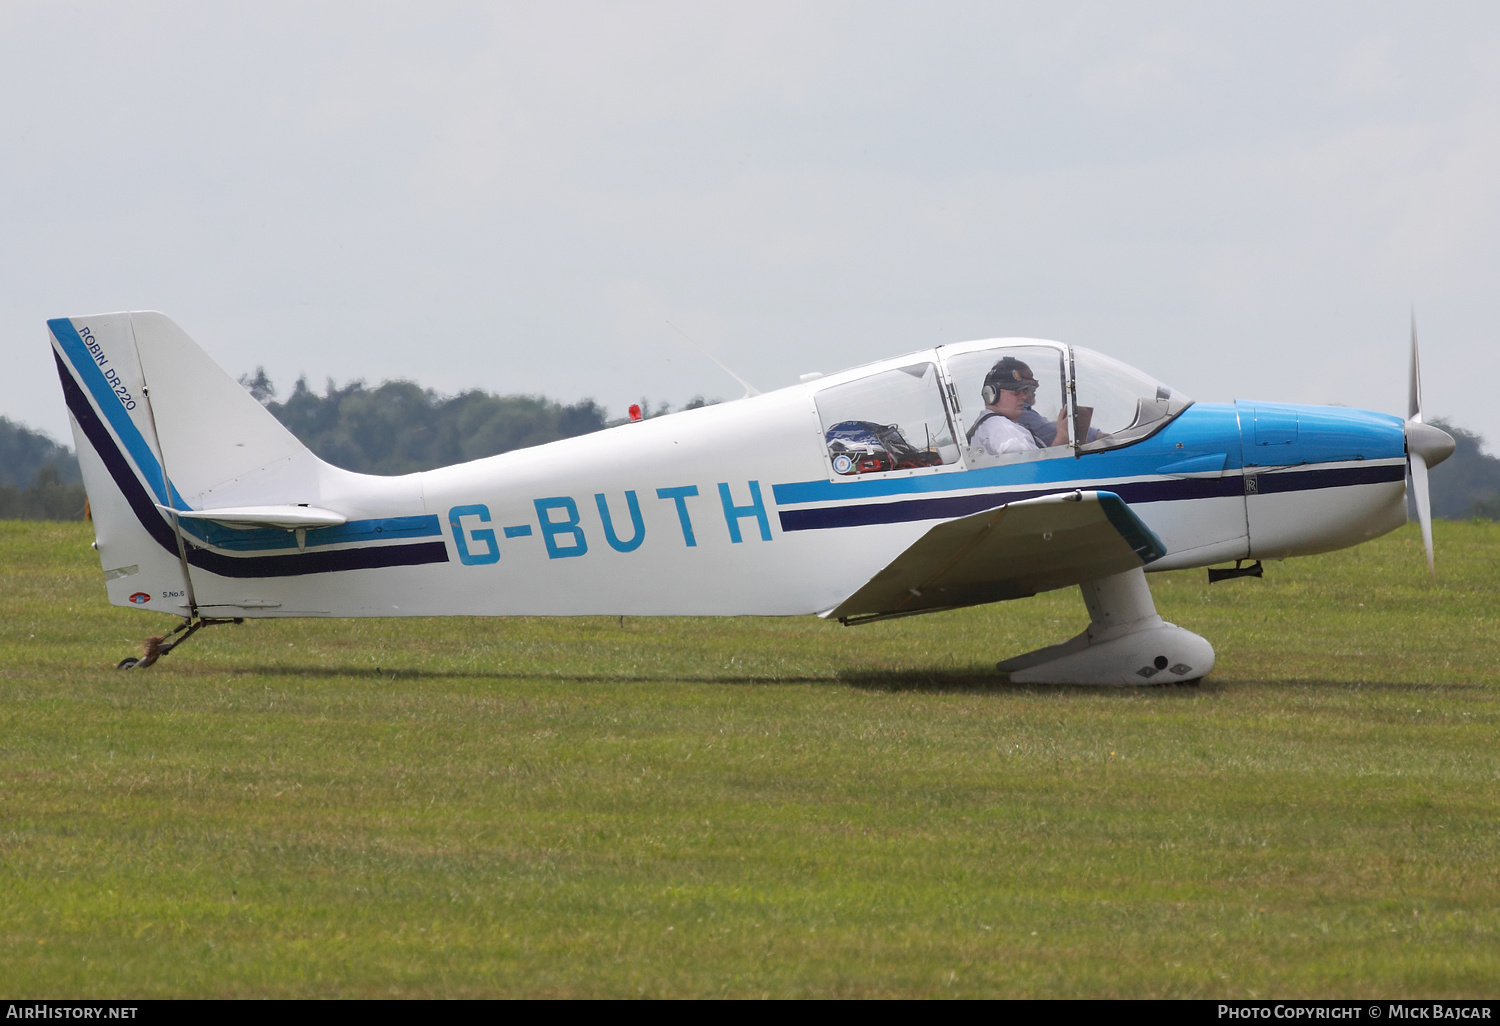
(1017, 550)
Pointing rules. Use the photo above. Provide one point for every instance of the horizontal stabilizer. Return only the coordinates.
(1017, 550)
(246, 517)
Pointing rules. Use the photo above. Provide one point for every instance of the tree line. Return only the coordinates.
(396, 427)
(39, 478)
(1466, 484)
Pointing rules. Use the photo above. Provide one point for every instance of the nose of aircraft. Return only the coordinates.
(1433, 444)
(1320, 478)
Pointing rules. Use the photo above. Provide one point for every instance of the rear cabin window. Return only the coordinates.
(890, 420)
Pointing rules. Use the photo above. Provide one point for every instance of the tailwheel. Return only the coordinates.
(159, 645)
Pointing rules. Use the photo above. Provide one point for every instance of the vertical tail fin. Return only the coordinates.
(158, 426)
(197, 490)
(219, 446)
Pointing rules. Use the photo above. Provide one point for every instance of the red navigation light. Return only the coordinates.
(635, 411)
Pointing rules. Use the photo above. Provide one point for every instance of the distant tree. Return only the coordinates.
(23, 452)
(399, 427)
(1466, 484)
(259, 386)
(48, 497)
(39, 478)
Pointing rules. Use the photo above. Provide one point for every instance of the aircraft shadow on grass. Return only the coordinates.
(383, 674)
(974, 680)
(977, 681)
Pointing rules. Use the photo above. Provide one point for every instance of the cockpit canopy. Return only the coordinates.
(1127, 404)
(939, 410)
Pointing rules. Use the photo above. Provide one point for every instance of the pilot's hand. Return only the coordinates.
(1062, 437)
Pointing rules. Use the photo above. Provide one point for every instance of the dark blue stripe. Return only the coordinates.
(949, 507)
(1334, 477)
(288, 565)
(899, 512)
(260, 538)
(1134, 493)
(1137, 492)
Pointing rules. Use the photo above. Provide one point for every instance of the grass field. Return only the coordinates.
(754, 806)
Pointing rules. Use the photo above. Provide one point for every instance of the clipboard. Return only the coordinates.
(1085, 418)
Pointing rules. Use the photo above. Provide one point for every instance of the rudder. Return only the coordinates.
(120, 460)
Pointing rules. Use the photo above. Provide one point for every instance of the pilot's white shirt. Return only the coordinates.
(1000, 435)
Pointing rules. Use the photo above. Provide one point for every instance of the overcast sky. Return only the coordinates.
(1243, 200)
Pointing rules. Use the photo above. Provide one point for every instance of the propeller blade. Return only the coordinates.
(1414, 393)
(1423, 502)
(1426, 446)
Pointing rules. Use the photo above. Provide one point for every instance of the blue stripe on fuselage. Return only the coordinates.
(1202, 429)
(1332, 434)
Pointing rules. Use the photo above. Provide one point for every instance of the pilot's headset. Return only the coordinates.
(1009, 374)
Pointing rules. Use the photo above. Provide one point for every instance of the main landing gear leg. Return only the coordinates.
(1126, 643)
(160, 645)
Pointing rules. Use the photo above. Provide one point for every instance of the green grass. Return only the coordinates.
(755, 806)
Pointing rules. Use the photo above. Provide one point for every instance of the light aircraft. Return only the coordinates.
(856, 496)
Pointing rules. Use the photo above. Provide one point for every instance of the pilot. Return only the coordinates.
(1044, 429)
(1009, 388)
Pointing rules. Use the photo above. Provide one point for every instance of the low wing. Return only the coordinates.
(1011, 552)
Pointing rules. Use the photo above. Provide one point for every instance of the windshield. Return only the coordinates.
(1118, 404)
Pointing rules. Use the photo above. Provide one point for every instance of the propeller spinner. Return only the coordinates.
(1426, 447)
